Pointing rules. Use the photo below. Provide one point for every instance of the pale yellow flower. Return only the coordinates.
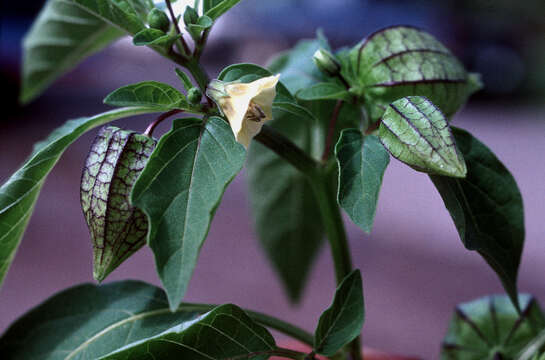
(247, 106)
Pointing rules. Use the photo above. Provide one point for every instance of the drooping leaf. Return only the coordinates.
(89, 321)
(125, 14)
(343, 320)
(221, 334)
(214, 8)
(284, 207)
(148, 93)
(324, 91)
(402, 61)
(490, 328)
(117, 228)
(362, 161)
(486, 208)
(19, 193)
(151, 36)
(415, 132)
(184, 78)
(60, 38)
(179, 191)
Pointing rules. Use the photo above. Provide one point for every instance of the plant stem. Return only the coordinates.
(287, 150)
(331, 130)
(185, 50)
(160, 118)
(263, 319)
(324, 191)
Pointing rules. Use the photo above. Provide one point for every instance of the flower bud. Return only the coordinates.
(157, 19)
(326, 62)
(118, 229)
(194, 95)
(190, 16)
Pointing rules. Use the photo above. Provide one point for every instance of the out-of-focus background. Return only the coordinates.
(414, 267)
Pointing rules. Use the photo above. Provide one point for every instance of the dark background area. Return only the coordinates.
(414, 267)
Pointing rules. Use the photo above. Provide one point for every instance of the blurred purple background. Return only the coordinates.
(414, 267)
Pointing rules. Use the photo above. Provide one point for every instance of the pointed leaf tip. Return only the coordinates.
(415, 132)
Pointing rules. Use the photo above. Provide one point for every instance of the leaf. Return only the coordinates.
(284, 206)
(19, 193)
(249, 72)
(486, 208)
(214, 9)
(153, 37)
(362, 161)
(179, 191)
(148, 93)
(343, 320)
(186, 82)
(117, 228)
(121, 13)
(202, 24)
(324, 91)
(89, 321)
(401, 61)
(415, 132)
(223, 333)
(490, 328)
(296, 68)
(60, 38)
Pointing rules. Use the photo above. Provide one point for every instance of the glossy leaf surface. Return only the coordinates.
(490, 328)
(402, 61)
(148, 93)
(128, 15)
(89, 321)
(343, 320)
(415, 132)
(179, 191)
(362, 161)
(61, 37)
(118, 229)
(19, 193)
(221, 334)
(486, 208)
(215, 8)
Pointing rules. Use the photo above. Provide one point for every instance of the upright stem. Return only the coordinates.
(185, 49)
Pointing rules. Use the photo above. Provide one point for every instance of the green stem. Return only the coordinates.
(199, 74)
(324, 191)
(263, 319)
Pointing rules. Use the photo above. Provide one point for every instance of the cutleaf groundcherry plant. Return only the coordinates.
(317, 125)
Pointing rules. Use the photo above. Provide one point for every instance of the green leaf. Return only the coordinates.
(153, 37)
(202, 24)
(214, 9)
(19, 193)
(486, 208)
(343, 320)
(415, 132)
(284, 206)
(186, 81)
(179, 191)
(324, 91)
(401, 61)
(148, 93)
(362, 161)
(490, 328)
(89, 321)
(117, 228)
(221, 334)
(60, 38)
(249, 72)
(122, 13)
(296, 68)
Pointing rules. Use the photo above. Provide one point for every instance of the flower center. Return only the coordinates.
(254, 113)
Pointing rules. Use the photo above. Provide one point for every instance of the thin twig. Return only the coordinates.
(177, 27)
(160, 118)
(331, 130)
